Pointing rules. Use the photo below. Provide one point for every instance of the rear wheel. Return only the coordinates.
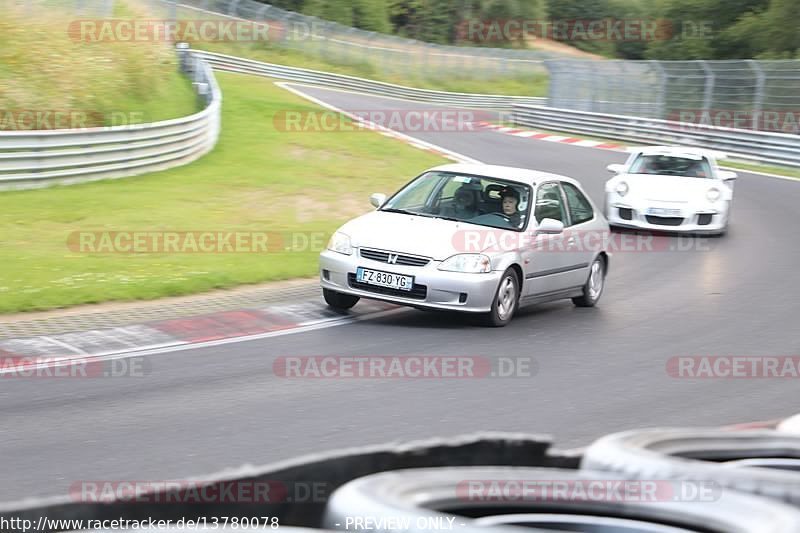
(337, 300)
(593, 288)
(506, 301)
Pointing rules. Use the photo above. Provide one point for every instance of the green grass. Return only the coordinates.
(457, 79)
(257, 179)
(44, 68)
(780, 171)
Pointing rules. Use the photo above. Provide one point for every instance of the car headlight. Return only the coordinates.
(713, 194)
(622, 188)
(340, 243)
(470, 263)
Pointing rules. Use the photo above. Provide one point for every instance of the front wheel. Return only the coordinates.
(593, 288)
(340, 301)
(506, 301)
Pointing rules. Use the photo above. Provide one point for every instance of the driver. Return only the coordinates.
(510, 202)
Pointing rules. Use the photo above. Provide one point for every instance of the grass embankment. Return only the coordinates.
(45, 69)
(258, 179)
(457, 79)
(400, 63)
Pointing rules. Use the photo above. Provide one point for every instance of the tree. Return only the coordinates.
(371, 15)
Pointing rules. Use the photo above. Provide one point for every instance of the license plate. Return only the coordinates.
(384, 279)
(664, 212)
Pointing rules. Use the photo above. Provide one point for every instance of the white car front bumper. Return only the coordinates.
(683, 218)
(433, 288)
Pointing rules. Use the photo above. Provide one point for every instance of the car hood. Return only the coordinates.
(667, 188)
(409, 234)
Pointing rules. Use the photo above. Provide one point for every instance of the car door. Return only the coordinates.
(582, 237)
(550, 262)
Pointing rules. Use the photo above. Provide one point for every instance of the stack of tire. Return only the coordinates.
(756, 474)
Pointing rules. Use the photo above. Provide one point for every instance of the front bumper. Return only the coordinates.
(453, 291)
(684, 220)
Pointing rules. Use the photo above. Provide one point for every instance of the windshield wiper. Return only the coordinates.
(401, 211)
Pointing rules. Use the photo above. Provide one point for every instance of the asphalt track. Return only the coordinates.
(599, 370)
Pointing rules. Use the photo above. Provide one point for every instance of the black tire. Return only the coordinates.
(697, 454)
(339, 301)
(412, 494)
(501, 314)
(591, 295)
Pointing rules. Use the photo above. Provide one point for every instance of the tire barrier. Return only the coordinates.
(649, 481)
(302, 484)
(419, 497)
(691, 454)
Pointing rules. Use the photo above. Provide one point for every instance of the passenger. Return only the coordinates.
(465, 205)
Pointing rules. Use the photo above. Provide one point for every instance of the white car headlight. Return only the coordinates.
(622, 188)
(470, 263)
(713, 194)
(340, 243)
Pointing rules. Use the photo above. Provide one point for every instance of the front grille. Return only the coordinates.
(704, 219)
(625, 213)
(402, 259)
(665, 221)
(417, 292)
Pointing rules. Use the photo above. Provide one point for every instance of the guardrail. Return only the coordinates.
(363, 85)
(31, 159)
(755, 146)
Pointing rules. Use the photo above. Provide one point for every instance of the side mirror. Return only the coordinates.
(615, 168)
(550, 226)
(727, 175)
(377, 200)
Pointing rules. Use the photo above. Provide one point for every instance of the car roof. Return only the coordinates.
(678, 151)
(519, 175)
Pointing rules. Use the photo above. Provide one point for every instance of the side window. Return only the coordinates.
(549, 203)
(580, 210)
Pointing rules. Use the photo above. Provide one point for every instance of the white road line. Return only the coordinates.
(186, 346)
(65, 345)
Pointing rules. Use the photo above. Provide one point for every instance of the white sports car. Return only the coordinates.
(670, 188)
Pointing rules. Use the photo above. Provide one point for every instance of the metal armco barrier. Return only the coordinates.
(340, 81)
(31, 159)
(755, 146)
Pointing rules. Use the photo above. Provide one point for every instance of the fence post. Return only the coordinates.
(662, 88)
(708, 91)
(758, 96)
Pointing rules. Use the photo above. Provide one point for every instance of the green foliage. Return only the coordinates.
(707, 29)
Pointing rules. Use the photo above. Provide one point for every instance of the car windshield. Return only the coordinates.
(671, 165)
(475, 199)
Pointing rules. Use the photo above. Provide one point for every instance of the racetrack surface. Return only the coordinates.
(599, 370)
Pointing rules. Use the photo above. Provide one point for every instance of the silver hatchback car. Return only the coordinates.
(475, 238)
